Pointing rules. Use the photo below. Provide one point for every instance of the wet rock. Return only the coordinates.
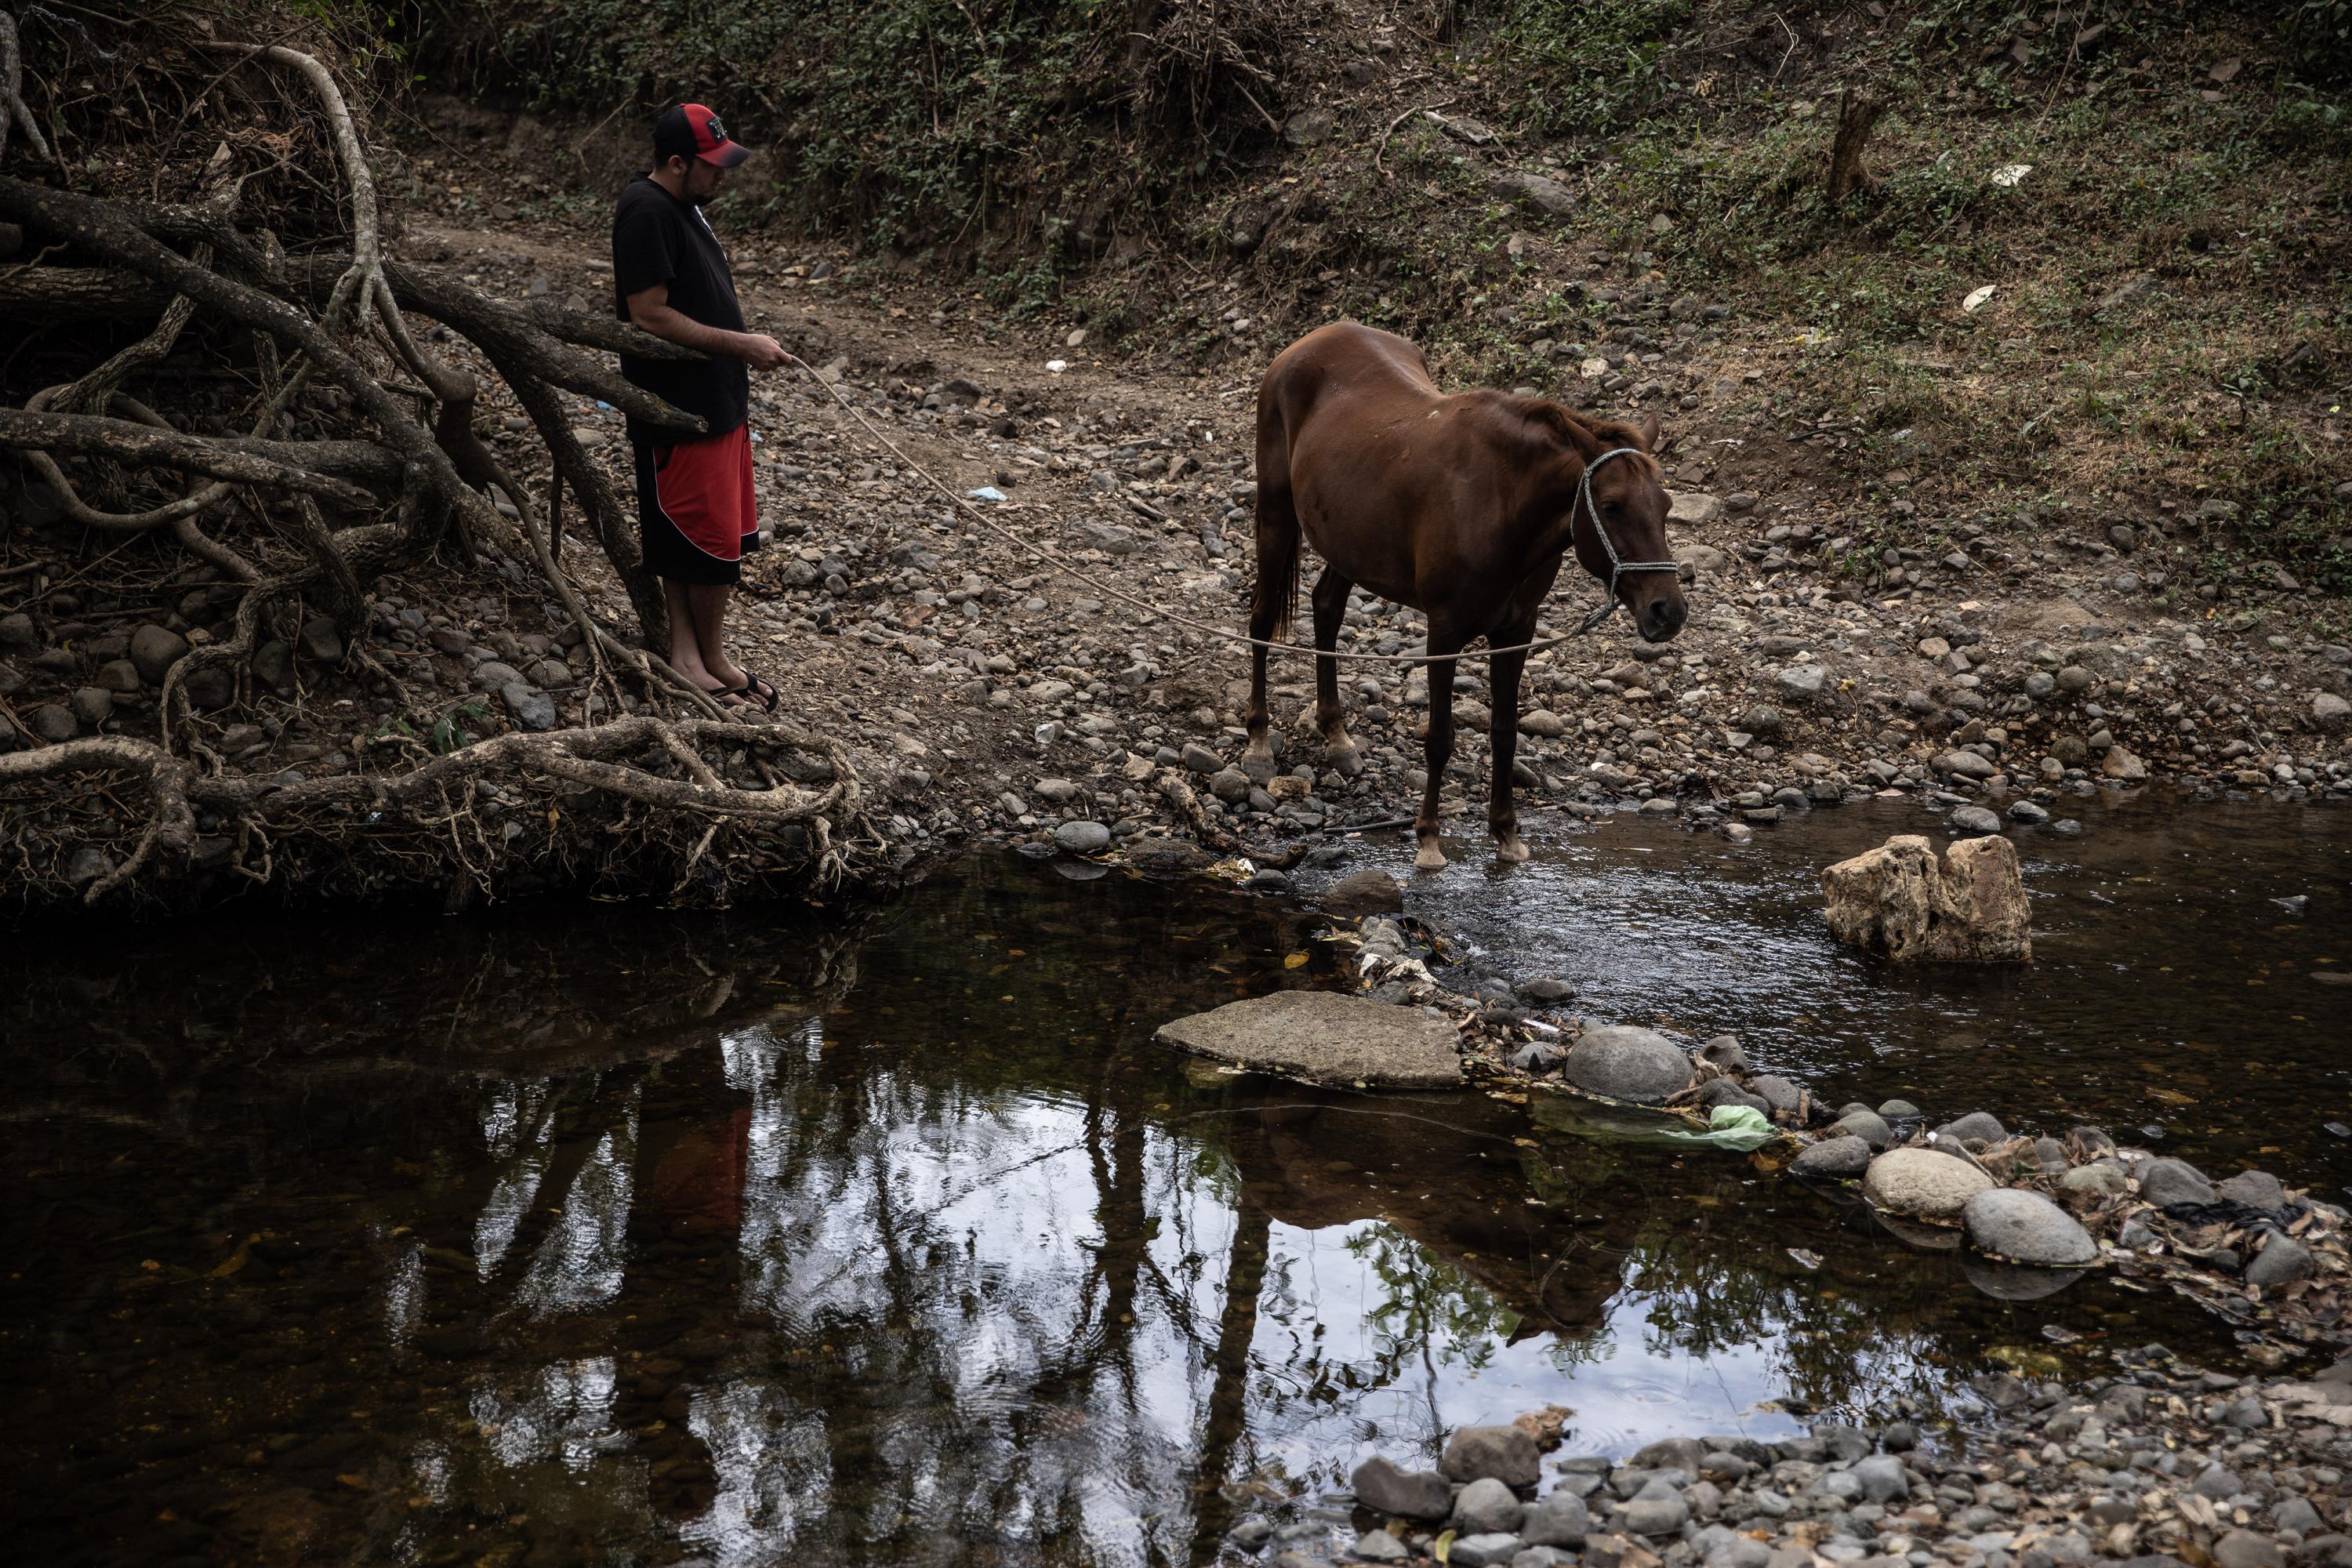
(2255, 1189)
(1977, 1126)
(1624, 1062)
(1725, 1051)
(154, 651)
(1718, 1092)
(1778, 1093)
(1488, 1551)
(1560, 1519)
(1250, 1534)
(1866, 1125)
(2167, 1181)
(1901, 901)
(1921, 1183)
(1379, 1546)
(2122, 766)
(1653, 1516)
(1083, 838)
(1974, 819)
(1325, 1037)
(2282, 1261)
(1833, 1157)
(1367, 892)
(1506, 1453)
(2099, 1179)
(2023, 1226)
(1898, 1111)
(1487, 1506)
(1407, 1494)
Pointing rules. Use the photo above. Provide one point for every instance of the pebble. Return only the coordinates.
(1083, 838)
(2167, 1181)
(1407, 1494)
(1487, 1506)
(2021, 1227)
(1974, 821)
(1506, 1453)
(1833, 1157)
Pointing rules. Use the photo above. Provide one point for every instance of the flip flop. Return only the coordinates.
(752, 687)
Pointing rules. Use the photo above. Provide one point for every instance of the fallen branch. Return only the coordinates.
(121, 441)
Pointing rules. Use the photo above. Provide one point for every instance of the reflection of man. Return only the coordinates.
(694, 497)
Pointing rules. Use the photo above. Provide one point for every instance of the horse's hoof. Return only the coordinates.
(1511, 847)
(1345, 761)
(1258, 770)
(1430, 857)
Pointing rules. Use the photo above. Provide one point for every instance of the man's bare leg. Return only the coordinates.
(684, 644)
(710, 602)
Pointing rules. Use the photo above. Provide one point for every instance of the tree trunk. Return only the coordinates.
(1858, 112)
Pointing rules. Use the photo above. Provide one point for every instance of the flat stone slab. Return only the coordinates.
(1325, 1037)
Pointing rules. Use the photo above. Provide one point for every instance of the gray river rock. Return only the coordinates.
(1624, 1062)
(2026, 1228)
(1325, 1037)
(1920, 1183)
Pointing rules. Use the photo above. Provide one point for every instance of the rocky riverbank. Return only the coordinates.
(2159, 1464)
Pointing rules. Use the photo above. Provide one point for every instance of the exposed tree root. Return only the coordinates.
(346, 472)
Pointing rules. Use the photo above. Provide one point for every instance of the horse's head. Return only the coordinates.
(1621, 540)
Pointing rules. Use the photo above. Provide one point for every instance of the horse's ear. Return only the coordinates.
(1650, 431)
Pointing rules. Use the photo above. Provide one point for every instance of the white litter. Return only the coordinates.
(1057, 365)
(986, 492)
(2007, 175)
(1977, 299)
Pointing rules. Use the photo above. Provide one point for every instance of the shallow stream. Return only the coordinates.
(621, 1237)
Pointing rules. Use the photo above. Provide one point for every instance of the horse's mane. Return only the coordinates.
(1589, 436)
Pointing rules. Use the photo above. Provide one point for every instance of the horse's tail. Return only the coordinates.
(1274, 602)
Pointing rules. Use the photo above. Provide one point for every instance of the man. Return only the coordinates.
(695, 506)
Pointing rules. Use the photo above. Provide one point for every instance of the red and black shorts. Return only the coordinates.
(694, 510)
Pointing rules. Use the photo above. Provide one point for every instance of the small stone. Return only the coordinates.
(320, 640)
(1083, 838)
(2282, 1261)
(2255, 1189)
(1976, 1127)
(1406, 1494)
(1866, 1125)
(1882, 1477)
(2121, 765)
(1379, 1546)
(120, 675)
(2167, 1181)
(1506, 1453)
(54, 723)
(1974, 820)
(1560, 1519)
(2023, 1226)
(1802, 683)
(2244, 1549)
(1653, 1516)
(1900, 1437)
(1493, 1550)
(1487, 1506)
(154, 651)
(2099, 1179)
(2027, 812)
(1199, 759)
(1898, 1111)
(1371, 891)
(2329, 711)
(93, 705)
(532, 707)
(18, 634)
(1833, 1157)
(1628, 1063)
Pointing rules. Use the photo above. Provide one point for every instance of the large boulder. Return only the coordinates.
(1639, 1066)
(1371, 892)
(1901, 901)
(1921, 1183)
(1325, 1037)
(2020, 1227)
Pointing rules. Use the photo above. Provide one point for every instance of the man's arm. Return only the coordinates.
(649, 310)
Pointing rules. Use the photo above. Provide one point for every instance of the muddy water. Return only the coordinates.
(620, 1237)
(2176, 983)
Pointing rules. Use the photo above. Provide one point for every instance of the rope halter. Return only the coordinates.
(1617, 567)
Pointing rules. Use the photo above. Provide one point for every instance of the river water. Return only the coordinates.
(623, 1236)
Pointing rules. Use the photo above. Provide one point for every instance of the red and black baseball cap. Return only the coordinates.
(691, 130)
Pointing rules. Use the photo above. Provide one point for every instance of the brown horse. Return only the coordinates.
(1460, 507)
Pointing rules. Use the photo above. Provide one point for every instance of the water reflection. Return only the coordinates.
(738, 1243)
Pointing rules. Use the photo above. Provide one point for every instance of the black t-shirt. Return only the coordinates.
(657, 239)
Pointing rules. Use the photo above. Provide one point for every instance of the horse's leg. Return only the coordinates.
(1443, 645)
(1273, 597)
(1502, 816)
(1330, 605)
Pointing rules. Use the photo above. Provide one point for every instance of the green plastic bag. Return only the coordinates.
(1739, 1126)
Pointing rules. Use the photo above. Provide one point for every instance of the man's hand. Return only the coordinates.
(758, 350)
